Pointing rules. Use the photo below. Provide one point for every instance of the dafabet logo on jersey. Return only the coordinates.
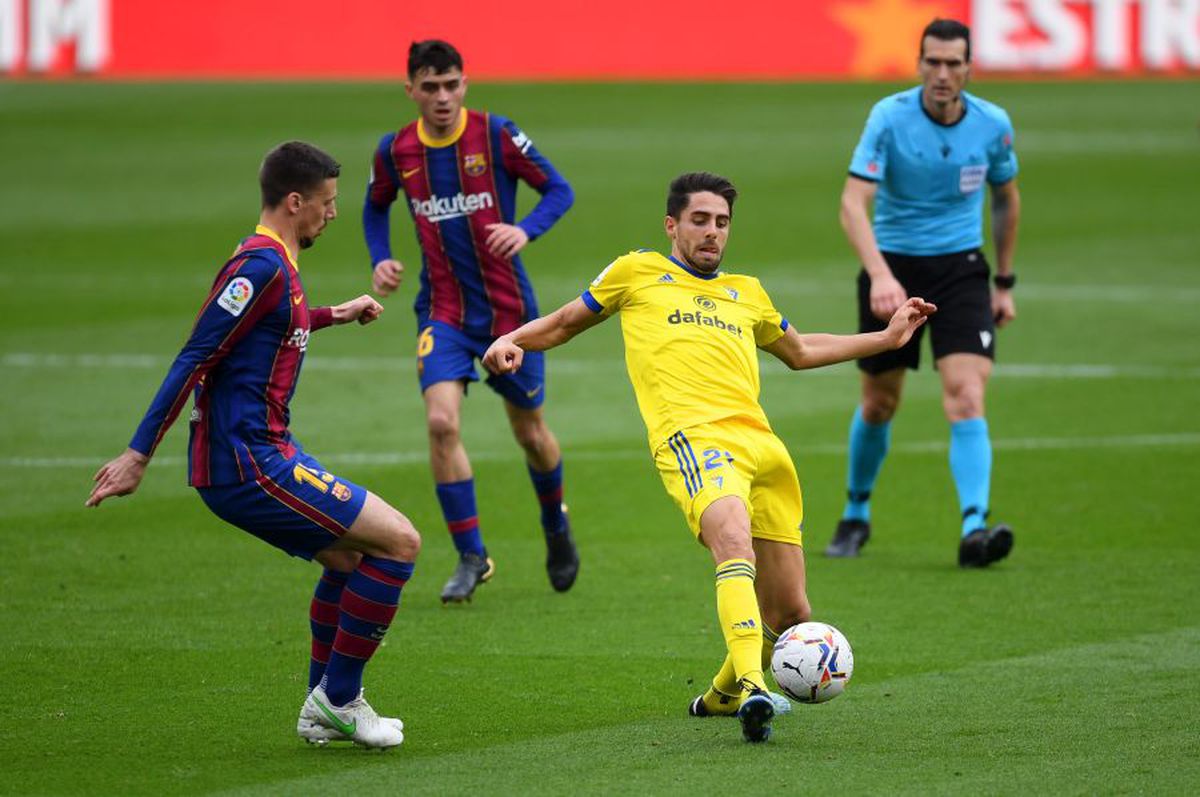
(700, 319)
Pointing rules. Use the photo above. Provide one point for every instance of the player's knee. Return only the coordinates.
(443, 426)
(530, 436)
(404, 541)
(879, 407)
(341, 561)
(962, 401)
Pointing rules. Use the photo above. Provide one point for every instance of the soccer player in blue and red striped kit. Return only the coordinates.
(459, 169)
(243, 360)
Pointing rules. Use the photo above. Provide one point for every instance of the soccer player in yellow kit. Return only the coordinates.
(690, 334)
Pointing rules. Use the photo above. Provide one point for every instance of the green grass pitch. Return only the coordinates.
(150, 649)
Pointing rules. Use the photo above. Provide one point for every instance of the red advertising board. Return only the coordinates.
(618, 39)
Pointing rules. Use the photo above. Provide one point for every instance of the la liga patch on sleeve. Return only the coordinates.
(236, 296)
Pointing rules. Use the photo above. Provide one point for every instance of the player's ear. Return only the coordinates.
(293, 201)
(669, 224)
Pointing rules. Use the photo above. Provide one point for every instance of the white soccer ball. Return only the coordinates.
(812, 662)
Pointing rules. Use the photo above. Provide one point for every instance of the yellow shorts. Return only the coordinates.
(700, 464)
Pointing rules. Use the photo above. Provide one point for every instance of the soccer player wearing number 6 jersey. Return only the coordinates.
(691, 336)
(458, 170)
(243, 360)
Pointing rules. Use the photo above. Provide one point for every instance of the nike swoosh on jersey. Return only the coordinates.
(407, 173)
(297, 299)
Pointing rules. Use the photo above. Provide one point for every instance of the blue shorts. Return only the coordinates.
(293, 504)
(446, 354)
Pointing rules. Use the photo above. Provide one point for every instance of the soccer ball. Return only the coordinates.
(812, 662)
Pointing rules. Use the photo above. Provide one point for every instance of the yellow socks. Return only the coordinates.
(737, 608)
(770, 637)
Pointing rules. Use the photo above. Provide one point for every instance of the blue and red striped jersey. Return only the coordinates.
(455, 187)
(243, 360)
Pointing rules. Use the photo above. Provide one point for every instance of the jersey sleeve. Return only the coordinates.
(245, 292)
(771, 324)
(1002, 158)
(611, 289)
(383, 187)
(869, 161)
(521, 159)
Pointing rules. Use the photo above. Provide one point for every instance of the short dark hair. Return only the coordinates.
(947, 30)
(432, 54)
(294, 166)
(683, 186)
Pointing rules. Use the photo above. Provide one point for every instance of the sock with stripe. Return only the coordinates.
(737, 608)
(368, 605)
(549, 489)
(868, 447)
(323, 620)
(770, 637)
(971, 466)
(458, 508)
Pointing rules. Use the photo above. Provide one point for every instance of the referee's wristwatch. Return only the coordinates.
(1005, 281)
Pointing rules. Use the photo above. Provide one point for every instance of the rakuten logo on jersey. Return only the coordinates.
(438, 208)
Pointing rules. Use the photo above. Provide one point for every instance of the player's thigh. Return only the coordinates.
(381, 530)
(776, 502)
(524, 389)
(781, 583)
(963, 323)
(697, 469)
(444, 354)
(907, 356)
(294, 505)
(443, 405)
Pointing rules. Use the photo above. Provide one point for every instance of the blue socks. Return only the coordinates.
(458, 508)
(868, 446)
(368, 604)
(549, 489)
(971, 466)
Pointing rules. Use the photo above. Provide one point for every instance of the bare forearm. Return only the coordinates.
(1006, 214)
(857, 225)
(818, 349)
(544, 333)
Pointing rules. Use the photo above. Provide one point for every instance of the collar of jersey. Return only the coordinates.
(693, 271)
(455, 135)
(921, 101)
(274, 236)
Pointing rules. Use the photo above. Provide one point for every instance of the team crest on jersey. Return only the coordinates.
(341, 492)
(705, 303)
(236, 296)
(475, 165)
(732, 293)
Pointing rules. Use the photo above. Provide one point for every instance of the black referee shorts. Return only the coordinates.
(963, 324)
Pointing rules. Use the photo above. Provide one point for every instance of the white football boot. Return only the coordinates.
(321, 722)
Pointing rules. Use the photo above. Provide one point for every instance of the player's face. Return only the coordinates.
(698, 237)
(944, 68)
(316, 210)
(439, 96)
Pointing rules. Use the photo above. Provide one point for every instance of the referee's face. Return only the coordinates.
(944, 69)
(699, 235)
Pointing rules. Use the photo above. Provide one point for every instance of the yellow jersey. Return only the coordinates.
(691, 339)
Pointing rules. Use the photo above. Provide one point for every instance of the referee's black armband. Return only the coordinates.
(1005, 281)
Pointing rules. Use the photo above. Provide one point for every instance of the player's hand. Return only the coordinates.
(364, 310)
(887, 294)
(505, 240)
(119, 477)
(386, 276)
(503, 356)
(907, 320)
(1003, 307)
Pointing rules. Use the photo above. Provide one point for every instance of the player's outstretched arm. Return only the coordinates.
(814, 350)
(364, 310)
(505, 354)
(121, 476)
